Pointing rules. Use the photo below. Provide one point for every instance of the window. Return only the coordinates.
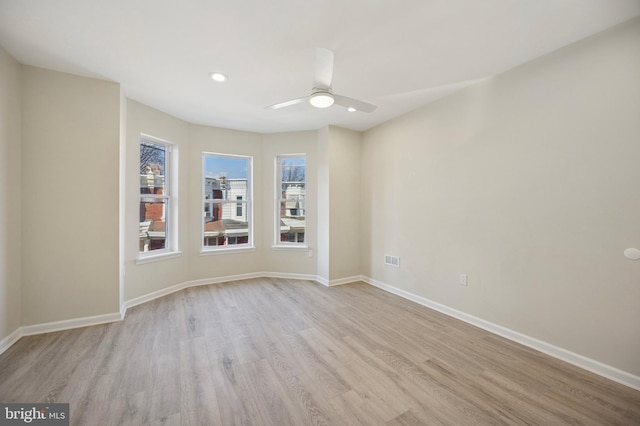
(239, 206)
(290, 205)
(226, 202)
(156, 198)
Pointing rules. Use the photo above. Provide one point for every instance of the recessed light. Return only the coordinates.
(351, 109)
(218, 76)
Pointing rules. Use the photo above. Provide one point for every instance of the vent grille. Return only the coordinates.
(392, 260)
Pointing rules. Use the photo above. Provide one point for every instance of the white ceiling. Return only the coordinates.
(397, 54)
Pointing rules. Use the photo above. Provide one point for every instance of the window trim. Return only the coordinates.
(247, 201)
(157, 257)
(170, 195)
(278, 244)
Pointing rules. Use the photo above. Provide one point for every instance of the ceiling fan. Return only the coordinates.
(321, 94)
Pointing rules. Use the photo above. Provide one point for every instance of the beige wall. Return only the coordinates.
(339, 230)
(192, 265)
(344, 203)
(323, 211)
(10, 212)
(290, 261)
(221, 141)
(143, 279)
(70, 157)
(529, 183)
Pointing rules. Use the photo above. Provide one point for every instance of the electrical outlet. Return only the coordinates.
(463, 279)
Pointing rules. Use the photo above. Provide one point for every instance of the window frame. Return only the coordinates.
(278, 199)
(246, 202)
(169, 197)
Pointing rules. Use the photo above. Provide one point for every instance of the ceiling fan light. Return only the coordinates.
(351, 109)
(321, 100)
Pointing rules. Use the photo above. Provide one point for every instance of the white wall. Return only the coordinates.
(290, 261)
(529, 183)
(69, 172)
(10, 137)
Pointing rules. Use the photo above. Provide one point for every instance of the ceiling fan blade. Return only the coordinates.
(353, 103)
(324, 69)
(288, 103)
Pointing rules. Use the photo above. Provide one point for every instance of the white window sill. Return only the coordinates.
(290, 247)
(157, 257)
(225, 250)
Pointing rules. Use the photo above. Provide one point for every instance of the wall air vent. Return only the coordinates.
(392, 260)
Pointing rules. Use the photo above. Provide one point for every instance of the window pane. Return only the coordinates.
(222, 226)
(292, 228)
(292, 187)
(227, 203)
(153, 224)
(292, 237)
(293, 169)
(152, 168)
(239, 206)
(292, 208)
(226, 178)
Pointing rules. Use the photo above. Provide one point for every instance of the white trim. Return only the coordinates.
(48, 327)
(170, 192)
(322, 280)
(151, 296)
(219, 280)
(348, 280)
(277, 187)
(8, 341)
(157, 257)
(289, 276)
(181, 286)
(578, 360)
(69, 324)
(291, 246)
(248, 201)
(340, 281)
(154, 139)
(242, 248)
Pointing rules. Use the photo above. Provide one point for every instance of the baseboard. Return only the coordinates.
(578, 360)
(49, 327)
(8, 341)
(217, 280)
(322, 280)
(286, 275)
(186, 284)
(348, 280)
(594, 366)
(29, 330)
(340, 281)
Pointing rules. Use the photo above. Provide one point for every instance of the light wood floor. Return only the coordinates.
(283, 352)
